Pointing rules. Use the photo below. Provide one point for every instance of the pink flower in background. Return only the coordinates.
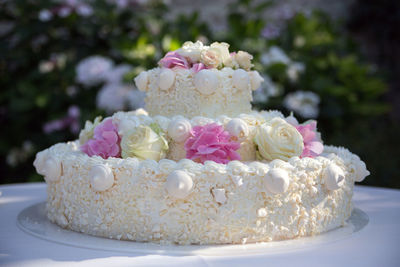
(173, 59)
(71, 121)
(105, 142)
(211, 142)
(198, 67)
(312, 142)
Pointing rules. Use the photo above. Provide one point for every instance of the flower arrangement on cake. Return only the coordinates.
(199, 166)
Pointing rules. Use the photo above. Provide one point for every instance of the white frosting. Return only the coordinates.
(167, 79)
(179, 129)
(276, 181)
(206, 82)
(179, 184)
(241, 79)
(101, 177)
(237, 127)
(142, 81)
(219, 195)
(334, 177)
(255, 79)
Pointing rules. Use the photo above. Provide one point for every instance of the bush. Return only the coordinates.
(309, 63)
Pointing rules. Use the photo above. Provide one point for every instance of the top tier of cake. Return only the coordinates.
(198, 80)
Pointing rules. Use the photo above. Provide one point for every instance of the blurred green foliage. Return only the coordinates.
(352, 112)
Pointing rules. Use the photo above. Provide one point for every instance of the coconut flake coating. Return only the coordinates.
(137, 207)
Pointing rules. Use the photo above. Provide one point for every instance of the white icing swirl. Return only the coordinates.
(241, 79)
(167, 79)
(142, 81)
(179, 129)
(101, 177)
(361, 171)
(334, 177)
(39, 161)
(179, 184)
(50, 167)
(206, 82)
(255, 79)
(276, 181)
(237, 127)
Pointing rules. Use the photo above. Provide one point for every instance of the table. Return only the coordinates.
(378, 244)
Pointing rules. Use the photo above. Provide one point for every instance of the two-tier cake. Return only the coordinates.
(199, 166)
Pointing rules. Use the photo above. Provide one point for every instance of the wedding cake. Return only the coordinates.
(199, 166)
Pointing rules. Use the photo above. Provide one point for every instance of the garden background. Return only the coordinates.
(63, 62)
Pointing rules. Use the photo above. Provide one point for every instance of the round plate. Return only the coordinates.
(33, 220)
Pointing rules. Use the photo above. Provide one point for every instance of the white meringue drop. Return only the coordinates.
(238, 127)
(206, 82)
(219, 195)
(255, 79)
(167, 79)
(276, 181)
(241, 79)
(179, 184)
(334, 177)
(101, 177)
(52, 169)
(39, 161)
(361, 171)
(179, 129)
(142, 81)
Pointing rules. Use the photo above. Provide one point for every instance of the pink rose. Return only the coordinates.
(211, 142)
(312, 142)
(105, 142)
(173, 59)
(198, 67)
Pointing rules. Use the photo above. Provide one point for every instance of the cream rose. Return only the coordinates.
(222, 50)
(87, 133)
(244, 60)
(210, 58)
(144, 142)
(277, 139)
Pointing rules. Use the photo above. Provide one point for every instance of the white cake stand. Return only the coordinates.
(33, 220)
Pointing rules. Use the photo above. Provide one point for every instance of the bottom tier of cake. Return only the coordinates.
(186, 202)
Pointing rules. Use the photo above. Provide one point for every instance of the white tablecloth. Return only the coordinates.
(378, 244)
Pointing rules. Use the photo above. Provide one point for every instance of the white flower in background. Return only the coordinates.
(64, 11)
(304, 103)
(46, 66)
(45, 15)
(19, 155)
(116, 75)
(93, 70)
(84, 10)
(294, 69)
(274, 55)
(117, 96)
(268, 89)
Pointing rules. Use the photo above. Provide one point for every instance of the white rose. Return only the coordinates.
(244, 60)
(277, 139)
(144, 143)
(191, 50)
(87, 133)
